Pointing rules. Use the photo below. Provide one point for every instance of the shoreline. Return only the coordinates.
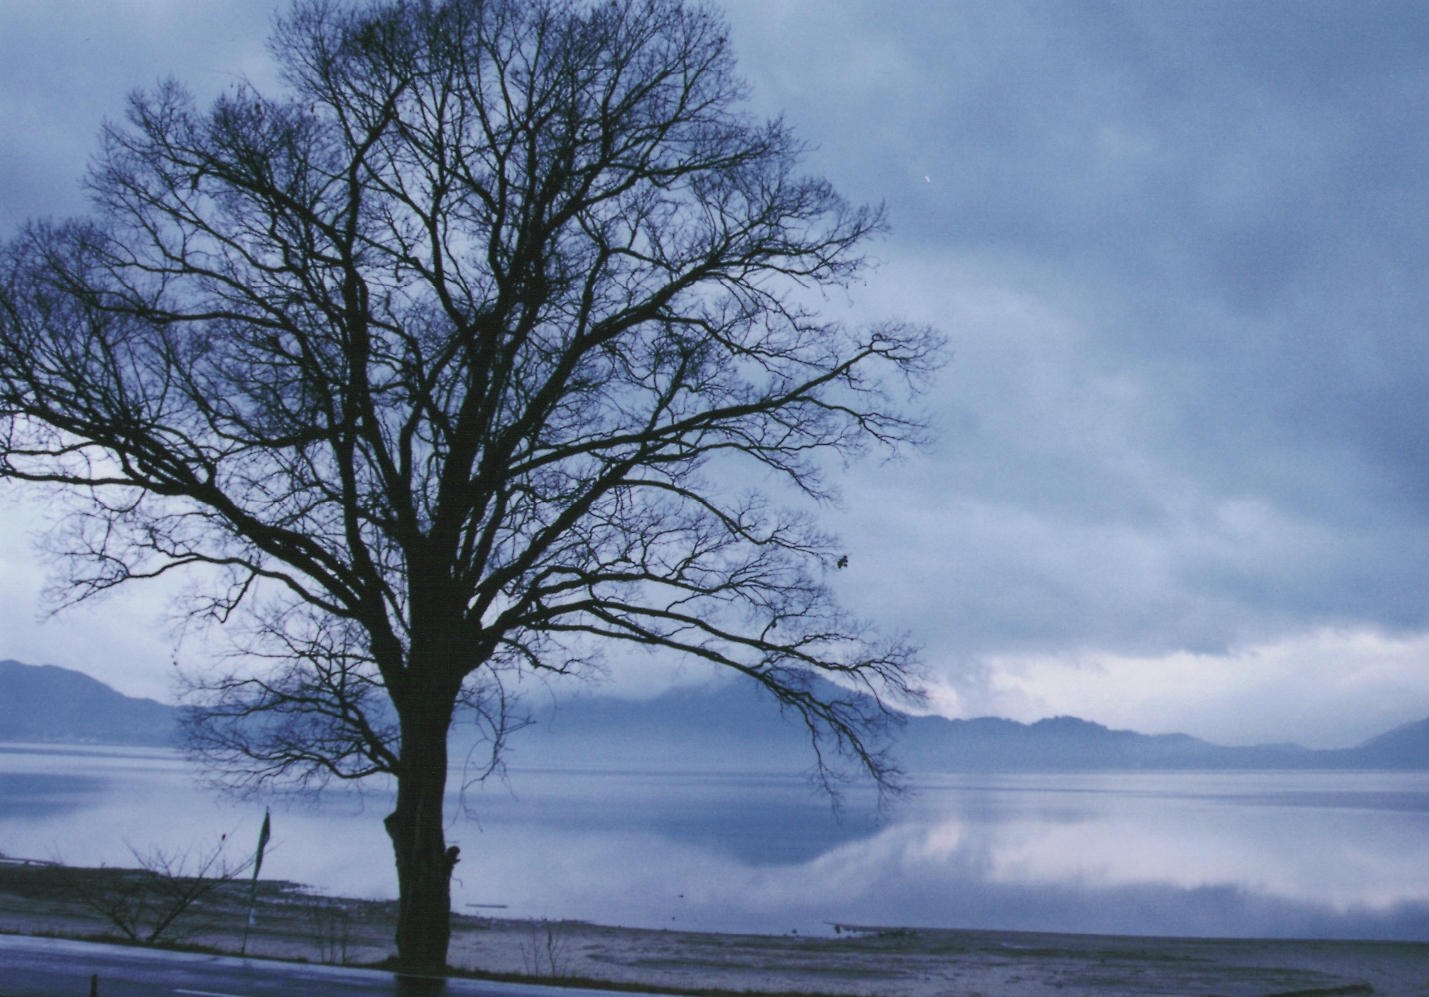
(858, 961)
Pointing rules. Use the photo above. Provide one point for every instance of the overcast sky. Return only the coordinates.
(1181, 478)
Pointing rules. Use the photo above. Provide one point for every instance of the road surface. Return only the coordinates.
(57, 967)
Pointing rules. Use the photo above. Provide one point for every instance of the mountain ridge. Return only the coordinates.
(736, 726)
(49, 704)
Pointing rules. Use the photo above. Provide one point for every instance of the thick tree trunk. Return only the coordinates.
(424, 862)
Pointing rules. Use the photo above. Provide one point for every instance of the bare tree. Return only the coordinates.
(457, 360)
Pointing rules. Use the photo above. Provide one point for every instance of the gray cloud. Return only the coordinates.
(1178, 251)
(67, 65)
(1199, 415)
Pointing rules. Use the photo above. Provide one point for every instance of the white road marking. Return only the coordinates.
(207, 993)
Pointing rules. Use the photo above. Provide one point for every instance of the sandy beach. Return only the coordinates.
(856, 960)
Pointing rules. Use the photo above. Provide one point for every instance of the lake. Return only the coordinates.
(1230, 854)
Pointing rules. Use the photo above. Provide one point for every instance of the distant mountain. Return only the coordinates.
(990, 744)
(1405, 747)
(735, 727)
(739, 726)
(46, 703)
(1067, 743)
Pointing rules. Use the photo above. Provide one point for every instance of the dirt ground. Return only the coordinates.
(867, 960)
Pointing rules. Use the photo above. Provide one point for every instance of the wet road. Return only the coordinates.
(53, 967)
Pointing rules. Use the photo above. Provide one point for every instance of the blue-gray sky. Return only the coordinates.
(1181, 479)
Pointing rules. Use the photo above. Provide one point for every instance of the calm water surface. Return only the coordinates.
(1307, 854)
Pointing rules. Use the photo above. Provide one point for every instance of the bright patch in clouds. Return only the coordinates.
(1329, 688)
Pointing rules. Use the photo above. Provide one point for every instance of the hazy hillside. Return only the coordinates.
(46, 703)
(1405, 747)
(736, 727)
(1067, 743)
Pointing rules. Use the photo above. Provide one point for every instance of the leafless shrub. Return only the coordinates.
(332, 925)
(147, 904)
(547, 952)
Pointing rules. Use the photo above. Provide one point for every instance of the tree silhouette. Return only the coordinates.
(452, 362)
